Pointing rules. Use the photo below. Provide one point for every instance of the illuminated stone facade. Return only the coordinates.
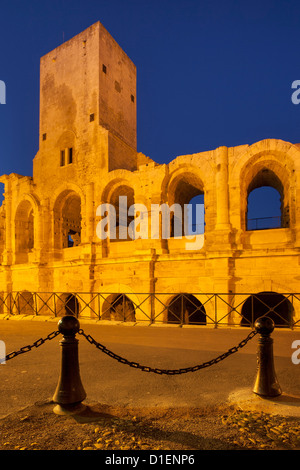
(88, 156)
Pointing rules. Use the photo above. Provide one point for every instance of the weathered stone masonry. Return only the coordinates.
(87, 156)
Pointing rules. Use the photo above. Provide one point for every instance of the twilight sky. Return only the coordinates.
(209, 73)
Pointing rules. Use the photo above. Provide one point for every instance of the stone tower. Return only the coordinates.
(87, 109)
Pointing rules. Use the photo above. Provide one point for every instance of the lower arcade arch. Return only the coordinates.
(118, 307)
(186, 309)
(67, 304)
(270, 304)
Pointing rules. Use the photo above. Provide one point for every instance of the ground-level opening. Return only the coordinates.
(67, 304)
(186, 309)
(118, 307)
(270, 304)
(25, 303)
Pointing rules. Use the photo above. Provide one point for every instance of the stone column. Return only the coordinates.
(89, 213)
(222, 189)
(7, 255)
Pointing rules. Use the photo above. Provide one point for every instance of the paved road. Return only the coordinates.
(32, 377)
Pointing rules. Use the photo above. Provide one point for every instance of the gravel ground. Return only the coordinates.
(102, 427)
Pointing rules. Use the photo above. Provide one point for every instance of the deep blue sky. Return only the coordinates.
(210, 73)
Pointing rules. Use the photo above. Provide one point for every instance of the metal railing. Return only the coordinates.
(264, 223)
(181, 309)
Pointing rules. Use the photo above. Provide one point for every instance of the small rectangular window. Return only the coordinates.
(103, 68)
(44, 136)
(70, 155)
(132, 98)
(62, 158)
(92, 117)
(117, 86)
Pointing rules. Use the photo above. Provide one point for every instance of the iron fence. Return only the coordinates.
(181, 309)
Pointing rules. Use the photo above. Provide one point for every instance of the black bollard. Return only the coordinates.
(69, 391)
(266, 383)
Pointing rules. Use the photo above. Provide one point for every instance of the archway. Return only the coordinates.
(186, 196)
(270, 304)
(67, 220)
(122, 199)
(24, 231)
(266, 205)
(118, 307)
(186, 309)
(67, 304)
(72, 305)
(25, 303)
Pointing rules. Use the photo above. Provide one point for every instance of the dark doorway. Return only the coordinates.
(270, 304)
(72, 305)
(186, 309)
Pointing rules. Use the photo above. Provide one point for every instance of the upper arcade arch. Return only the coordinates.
(268, 163)
(26, 225)
(67, 219)
(183, 187)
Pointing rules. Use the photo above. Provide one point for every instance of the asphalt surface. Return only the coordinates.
(32, 377)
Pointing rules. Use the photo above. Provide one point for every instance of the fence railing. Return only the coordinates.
(264, 223)
(216, 309)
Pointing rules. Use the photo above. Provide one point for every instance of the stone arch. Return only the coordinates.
(271, 304)
(116, 189)
(67, 304)
(250, 168)
(67, 214)
(266, 173)
(25, 303)
(185, 309)
(183, 186)
(24, 225)
(118, 307)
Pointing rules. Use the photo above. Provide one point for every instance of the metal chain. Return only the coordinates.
(36, 344)
(136, 365)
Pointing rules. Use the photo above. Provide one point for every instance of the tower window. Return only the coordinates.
(66, 156)
(70, 155)
(92, 117)
(62, 158)
(44, 136)
(132, 98)
(103, 68)
(117, 86)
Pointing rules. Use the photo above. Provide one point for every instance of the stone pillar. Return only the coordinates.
(222, 189)
(90, 214)
(8, 251)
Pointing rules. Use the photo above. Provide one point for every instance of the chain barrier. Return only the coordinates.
(133, 364)
(28, 348)
(136, 365)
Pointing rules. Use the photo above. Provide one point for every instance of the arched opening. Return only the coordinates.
(118, 307)
(196, 215)
(24, 231)
(121, 199)
(67, 304)
(67, 220)
(2, 193)
(187, 196)
(266, 208)
(72, 305)
(25, 303)
(186, 309)
(270, 304)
